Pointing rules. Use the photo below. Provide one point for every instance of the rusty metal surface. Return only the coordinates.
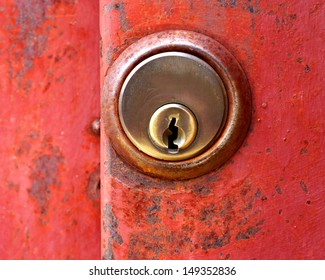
(234, 81)
(267, 201)
(49, 95)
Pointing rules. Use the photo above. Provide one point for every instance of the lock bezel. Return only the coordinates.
(153, 126)
(152, 84)
(235, 83)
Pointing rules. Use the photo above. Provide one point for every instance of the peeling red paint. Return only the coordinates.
(266, 201)
(45, 175)
(49, 94)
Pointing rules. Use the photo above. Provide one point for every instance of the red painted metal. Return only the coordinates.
(267, 201)
(49, 199)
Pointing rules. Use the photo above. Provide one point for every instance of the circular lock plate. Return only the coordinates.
(179, 78)
(227, 82)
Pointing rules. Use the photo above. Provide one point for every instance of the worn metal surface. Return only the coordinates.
(172, 77)
(49, 95)
(267, 201)
(238, 97)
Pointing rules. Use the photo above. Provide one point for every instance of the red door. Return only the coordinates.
(49, 156)
(264, 202)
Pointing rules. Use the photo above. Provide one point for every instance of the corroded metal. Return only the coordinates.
(238, 102)
(267, 201)
(49, 95)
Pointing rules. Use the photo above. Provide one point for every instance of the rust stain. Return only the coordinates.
(153, 210)
(303, 186)
(108, 253)
(234, 217)
(202, 190)
(213, 241)
(130, 176)
(174, 209)
(307, 69)
(69, 51)
(45, 175)
(251, 231)
(111, 224)
(248, 5)
(144, 244)
(278, 189)
(152, 243)
(304, 150)
(207, 213)
(264, 198)
(31, 38)
(120, 7)
(23, 149)
(258, 193)
(30, 18)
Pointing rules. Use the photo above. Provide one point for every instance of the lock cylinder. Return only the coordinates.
(172, 128)
(176, 105)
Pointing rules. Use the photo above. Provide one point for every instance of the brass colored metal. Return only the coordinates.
(172, 128)
(177, 78)
(145, 96)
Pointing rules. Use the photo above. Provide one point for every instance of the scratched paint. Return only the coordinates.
(49, 91)
(266, 201)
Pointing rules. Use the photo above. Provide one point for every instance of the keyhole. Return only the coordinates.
(172, 129)
(173, 135)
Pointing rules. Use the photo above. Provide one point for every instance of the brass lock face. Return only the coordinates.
(172, 106)
(176, 105)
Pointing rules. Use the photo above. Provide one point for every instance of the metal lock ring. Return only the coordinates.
(233, 128)
(191, 87)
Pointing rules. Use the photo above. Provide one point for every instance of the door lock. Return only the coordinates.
(172, 106)
(172, 129)
(176, 105)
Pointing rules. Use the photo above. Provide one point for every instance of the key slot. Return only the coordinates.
(173, 135)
